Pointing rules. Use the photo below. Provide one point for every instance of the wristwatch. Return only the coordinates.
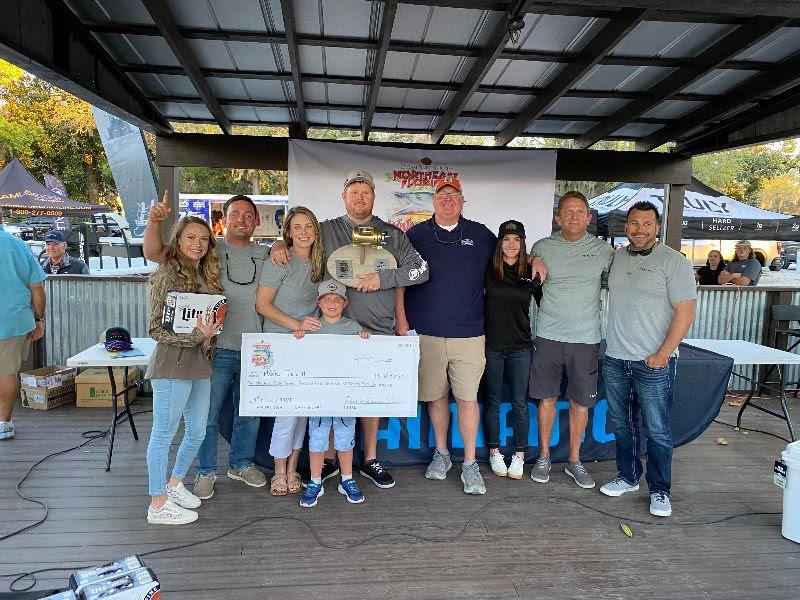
(42, 320)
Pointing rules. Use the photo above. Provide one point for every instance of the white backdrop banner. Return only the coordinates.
(498, 184)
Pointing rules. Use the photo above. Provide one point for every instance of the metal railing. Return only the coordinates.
(80, 308)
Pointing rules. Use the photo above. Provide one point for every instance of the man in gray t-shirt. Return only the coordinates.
(568, 330)
(651, 304)
(372, 302)
(744, 269)
(241, 261)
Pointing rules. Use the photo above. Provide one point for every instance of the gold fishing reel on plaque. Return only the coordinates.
(364, 255)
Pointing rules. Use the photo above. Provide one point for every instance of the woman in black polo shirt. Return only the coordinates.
(509, 289)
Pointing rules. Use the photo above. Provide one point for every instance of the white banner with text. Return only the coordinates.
(498, 184)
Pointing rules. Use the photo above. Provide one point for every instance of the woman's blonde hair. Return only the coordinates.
(187, 273)
(317, 250)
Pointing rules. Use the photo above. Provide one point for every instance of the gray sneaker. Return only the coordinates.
(204, 485)
(579, 473)
(249, 475)
(659, 504)
(541, 470)
(439, 466)
(471, 478)
(618, 486)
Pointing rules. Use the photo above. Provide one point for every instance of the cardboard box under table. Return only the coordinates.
(93, 386)
(96, 356)
(48, 387)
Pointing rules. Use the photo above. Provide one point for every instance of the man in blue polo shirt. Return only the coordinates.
(23, 301)
(447, 313)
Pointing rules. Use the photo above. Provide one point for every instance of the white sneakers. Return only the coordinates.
(498, 465)
(516, 468)
(175, 509)
(170, 514)
(183, 497)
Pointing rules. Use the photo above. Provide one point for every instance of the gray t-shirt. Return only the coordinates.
(641, 292)
(748, 267)
(343, 326)
(296, 295)
(375, 310)
(242, 265)
(570, 307)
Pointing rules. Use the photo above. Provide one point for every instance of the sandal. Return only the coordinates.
(277, 485)
(294, 482)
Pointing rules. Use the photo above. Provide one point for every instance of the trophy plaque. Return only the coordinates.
(363, 256)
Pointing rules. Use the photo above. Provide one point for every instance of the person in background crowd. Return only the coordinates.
(180, 370)
(651, 304)
(372, 302)
(332, 300)
(709, 274)
(57, 261)
(508, 292)
(23, 300)
(287, 298)
(568, 330)
(240, 262)
(447, 313)
(743, 269)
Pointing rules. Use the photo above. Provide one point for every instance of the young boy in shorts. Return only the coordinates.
(331, 301)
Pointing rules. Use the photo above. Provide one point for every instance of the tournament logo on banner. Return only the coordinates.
(498, 184)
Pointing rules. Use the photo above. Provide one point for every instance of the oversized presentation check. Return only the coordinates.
(328, 376)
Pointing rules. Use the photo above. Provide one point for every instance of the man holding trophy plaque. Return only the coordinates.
(374, 258)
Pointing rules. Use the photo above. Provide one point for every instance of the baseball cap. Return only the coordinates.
(54, 236)
(331, 286)
(116, 339)
(744, 243)
(447, 180)
(359, 175)
(514, 227)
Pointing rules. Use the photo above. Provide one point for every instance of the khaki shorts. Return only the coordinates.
(450, 363)
(12, 352)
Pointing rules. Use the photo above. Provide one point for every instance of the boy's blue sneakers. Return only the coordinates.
(311, 494)
(350, 489)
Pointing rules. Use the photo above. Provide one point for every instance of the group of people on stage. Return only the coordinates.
(467, 293)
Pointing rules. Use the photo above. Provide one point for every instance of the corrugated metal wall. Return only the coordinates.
(79, 309)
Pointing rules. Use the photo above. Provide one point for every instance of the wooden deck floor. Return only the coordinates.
(520, 540)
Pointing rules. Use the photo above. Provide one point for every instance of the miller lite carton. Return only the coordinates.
(181, 310)
(141, 584)
(80, 579)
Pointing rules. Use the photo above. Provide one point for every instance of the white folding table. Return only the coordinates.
(96, 356)
(749, 353)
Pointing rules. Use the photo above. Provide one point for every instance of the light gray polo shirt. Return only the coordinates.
(641, 292)
(242, 265)
(570, 307)
(296, 295)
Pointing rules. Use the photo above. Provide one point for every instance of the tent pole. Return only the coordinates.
(672, 220)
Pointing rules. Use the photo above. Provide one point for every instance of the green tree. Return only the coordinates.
(741, 173)
(52, 131)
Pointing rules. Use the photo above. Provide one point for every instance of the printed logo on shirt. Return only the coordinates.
(414, 274)
(467, 242)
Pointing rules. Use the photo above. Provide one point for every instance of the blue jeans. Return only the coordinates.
(171, 399)
(633, 388)
(225, 371)
(515, 366)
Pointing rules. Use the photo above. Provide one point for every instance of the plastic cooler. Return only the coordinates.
(791, 493)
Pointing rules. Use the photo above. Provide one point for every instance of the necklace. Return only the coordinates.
(636, 266)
